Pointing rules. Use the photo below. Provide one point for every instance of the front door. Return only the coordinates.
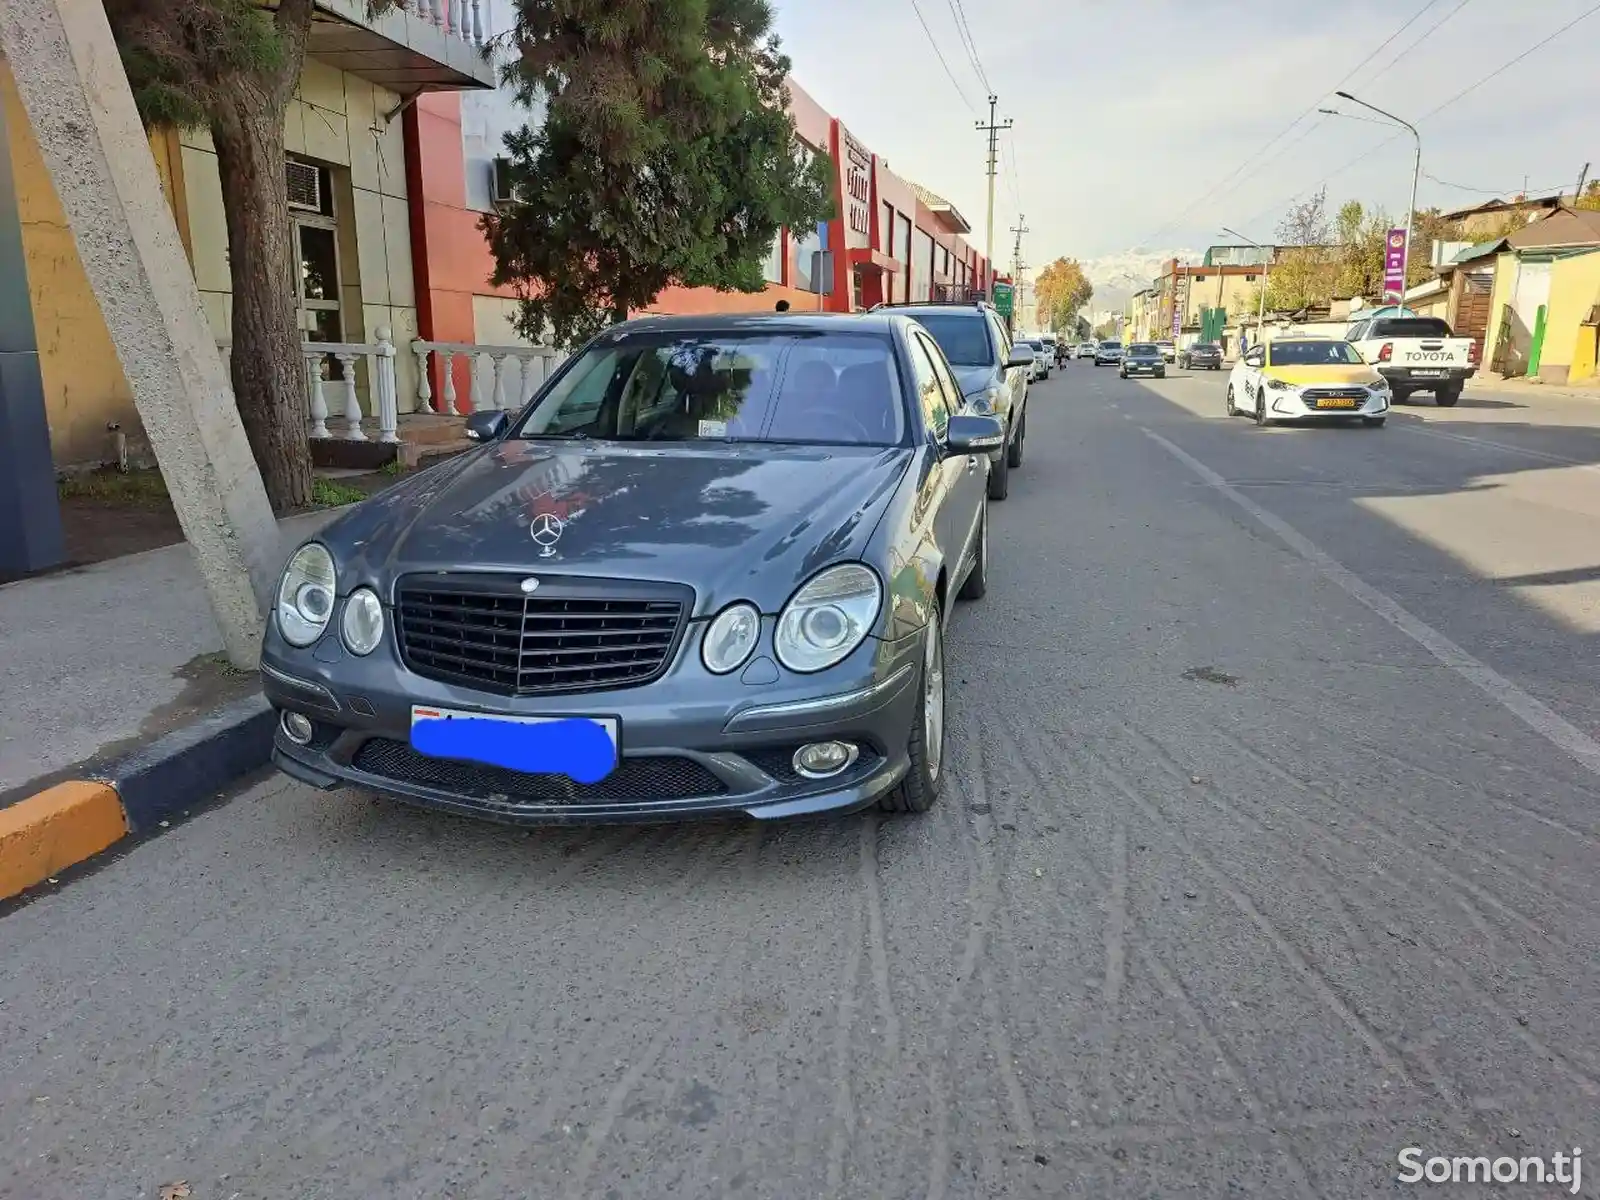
(966, 482)
(318, 284)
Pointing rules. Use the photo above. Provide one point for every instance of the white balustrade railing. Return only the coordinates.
(346, 407)
(503, 377)
(467, 20)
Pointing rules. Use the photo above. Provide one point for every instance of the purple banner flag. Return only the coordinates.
(1394, 265)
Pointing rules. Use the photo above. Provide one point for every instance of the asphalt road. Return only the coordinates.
(1268, 851)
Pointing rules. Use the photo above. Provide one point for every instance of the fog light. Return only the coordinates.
(297, 728)
(819, 760)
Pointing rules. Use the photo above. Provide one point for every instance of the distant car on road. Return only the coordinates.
(1301, 379)
(1202, 356)
(1108, 353)
(707, 571)
(1042, 361)
(1169, 350)
(1085, 350)
(1144, 358)
(993, 373)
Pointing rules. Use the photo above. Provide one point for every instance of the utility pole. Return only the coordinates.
(1020, 228)
(78, 103)
(1583, 177)
(994, 131)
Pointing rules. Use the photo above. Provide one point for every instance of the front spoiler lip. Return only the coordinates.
(778, 802)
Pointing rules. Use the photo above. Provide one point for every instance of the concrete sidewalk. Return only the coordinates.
(96, 661)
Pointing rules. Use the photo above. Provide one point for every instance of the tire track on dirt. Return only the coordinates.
(1451, 878)
(844, 1109)
(877, 944)
(361, 1037)
(1576, 1072)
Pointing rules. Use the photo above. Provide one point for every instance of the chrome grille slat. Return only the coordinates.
(482, 632)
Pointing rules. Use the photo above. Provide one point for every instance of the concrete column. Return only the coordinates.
(30, 514)
(80, 106)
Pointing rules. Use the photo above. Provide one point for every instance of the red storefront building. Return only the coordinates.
(891, 239)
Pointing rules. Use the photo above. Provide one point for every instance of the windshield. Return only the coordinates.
(1144, 348)
(1111, 345)
(1312, 354)
(822, 388)
(1410, 327)
(963, 337)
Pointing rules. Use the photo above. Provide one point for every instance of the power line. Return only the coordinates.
(1435, 111)
(1461, 187)
(1256, 158)
(916, 8)
(1416, 41)
(964, 32)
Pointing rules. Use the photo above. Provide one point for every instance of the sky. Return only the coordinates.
(1144, 126)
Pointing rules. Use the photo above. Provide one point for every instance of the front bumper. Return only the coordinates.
(1143, 368)
(691, 744)
(1442, 377)
(1294, 406)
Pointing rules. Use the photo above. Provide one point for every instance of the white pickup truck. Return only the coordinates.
(1416, 354)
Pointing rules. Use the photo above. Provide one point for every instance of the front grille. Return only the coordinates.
(635, 781)
(571, 636)
(1312, 395)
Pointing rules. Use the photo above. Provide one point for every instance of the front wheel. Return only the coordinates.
(1014, 451)
(919, 790)
(1233, 409)
(1262, 420)
(1000, 477)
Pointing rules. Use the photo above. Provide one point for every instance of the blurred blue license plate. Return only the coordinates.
(584, 749)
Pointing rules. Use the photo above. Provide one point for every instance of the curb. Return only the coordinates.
(61, 826)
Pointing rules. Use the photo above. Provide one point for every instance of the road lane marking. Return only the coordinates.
(1533, 713)
(1507, 446)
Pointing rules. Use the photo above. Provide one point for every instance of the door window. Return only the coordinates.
(1257, 357)
(930, 392)
(947, 381)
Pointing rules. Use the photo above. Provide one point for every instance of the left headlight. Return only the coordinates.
(828, 618)
(362, 625)
(1381, 385)
(986, 401)
(730, 638)
(305, 595)
(1279, 385)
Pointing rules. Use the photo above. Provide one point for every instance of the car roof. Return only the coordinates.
(758, 322)
(911, 310)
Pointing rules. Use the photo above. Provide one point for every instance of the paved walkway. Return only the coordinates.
(96, 660)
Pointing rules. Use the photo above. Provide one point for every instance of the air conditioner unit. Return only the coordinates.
(305, 186)
(501, 187)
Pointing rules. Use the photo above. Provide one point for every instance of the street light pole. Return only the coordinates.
(1416, 174)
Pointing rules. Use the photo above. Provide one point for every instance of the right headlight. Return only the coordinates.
(730, 638)
(305, 595)
(828, 618)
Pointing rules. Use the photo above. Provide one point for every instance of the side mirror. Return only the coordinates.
(972, 433)
(1021, 356)
(487, 424)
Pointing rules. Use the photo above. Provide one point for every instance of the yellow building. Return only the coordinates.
(1545, 309)
(348, 198)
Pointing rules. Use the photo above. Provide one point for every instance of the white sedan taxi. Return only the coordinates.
(1303, 379)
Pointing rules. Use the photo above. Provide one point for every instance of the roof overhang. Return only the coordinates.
(397, 50)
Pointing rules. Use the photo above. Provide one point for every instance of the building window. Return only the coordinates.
(1199, 278)
(886, 229)
(1249, 278)
(805, 247)
(774, 265)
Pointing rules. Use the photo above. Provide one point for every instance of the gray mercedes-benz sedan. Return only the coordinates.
(708, 569)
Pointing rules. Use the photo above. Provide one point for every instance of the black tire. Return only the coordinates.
(1161, 374)
(1232, 408)
(1373, 422)
(1260, 414)
(919, 790)
(1014, 451)
(1000, 478)
(1399, 395)
(1447, 397)
(977, 582)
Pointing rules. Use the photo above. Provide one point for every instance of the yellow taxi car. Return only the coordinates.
(1307, 379)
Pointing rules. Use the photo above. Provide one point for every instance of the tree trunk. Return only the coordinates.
(269, 378)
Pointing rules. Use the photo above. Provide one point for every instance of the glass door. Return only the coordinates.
(317, 250)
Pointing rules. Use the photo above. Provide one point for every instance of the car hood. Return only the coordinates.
(1334, 376)
(974, 379)
(732, 521)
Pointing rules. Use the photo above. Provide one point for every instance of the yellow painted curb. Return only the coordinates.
(54, 829)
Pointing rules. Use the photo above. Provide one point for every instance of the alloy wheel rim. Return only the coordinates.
(933, 700)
